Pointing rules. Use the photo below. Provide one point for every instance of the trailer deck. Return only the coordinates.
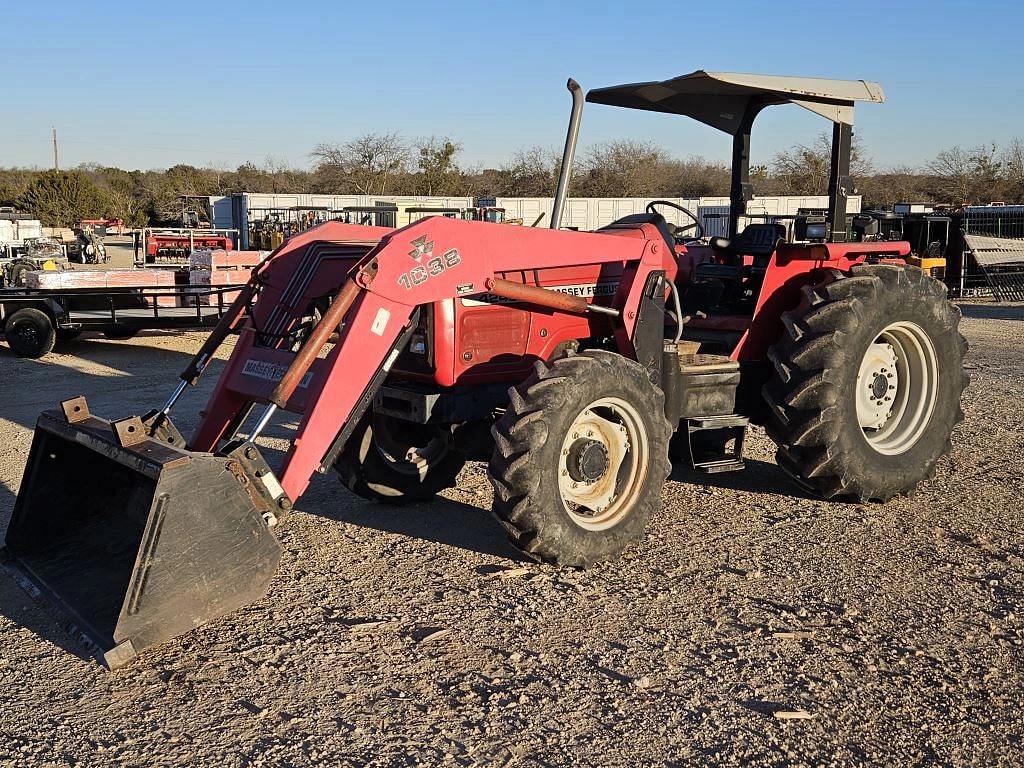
(117, 312)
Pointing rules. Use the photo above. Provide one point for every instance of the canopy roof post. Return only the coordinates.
(741, 191)
(839, 183)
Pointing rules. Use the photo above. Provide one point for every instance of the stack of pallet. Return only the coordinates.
(101, 279)
(215, 268)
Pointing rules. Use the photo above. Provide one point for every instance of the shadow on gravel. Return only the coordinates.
(757, 477)
(993, 311)
(123, 361)
(23, 611)
(441, 521)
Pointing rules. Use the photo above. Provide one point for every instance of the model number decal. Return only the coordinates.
(419, 274)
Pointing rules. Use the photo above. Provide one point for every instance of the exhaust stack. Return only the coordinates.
(562, 191)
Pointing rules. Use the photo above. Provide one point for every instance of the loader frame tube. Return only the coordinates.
(321, 333)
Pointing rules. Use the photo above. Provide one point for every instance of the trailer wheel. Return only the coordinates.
(121, 334)
(398, 462)
(867, 383)
(30, 333)
(580, 458)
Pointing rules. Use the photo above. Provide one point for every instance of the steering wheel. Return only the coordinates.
(677, 231)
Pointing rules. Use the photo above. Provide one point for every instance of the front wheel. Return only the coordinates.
(867, 383)
(580, 458)
(394, 461)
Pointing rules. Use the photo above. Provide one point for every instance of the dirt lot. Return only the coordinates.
(416, 636)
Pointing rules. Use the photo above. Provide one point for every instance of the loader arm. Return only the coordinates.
(429, 261)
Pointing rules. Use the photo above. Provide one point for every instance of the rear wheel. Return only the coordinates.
(30, 333)
(867, 383)
(580, 458)
(395, 461)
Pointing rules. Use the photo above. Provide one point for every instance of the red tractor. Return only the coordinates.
(577, 363)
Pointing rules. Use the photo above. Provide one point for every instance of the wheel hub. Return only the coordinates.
(897, 387)
(603, 463)
(27, 333)
(877, 382)
(588, 461)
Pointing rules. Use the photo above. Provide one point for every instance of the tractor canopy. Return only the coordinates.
(723, 99)
(730, 101)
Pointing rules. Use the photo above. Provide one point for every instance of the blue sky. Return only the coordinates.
(145, 85)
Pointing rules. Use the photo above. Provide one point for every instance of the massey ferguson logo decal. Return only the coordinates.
(268, 371)
(435, 265)
(584, 290)
(421, 248)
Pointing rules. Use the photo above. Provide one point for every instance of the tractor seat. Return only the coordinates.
(757, 240)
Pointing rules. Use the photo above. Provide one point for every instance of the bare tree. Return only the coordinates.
(966, 175)
(625, 169)
(696, 177)
(1013, 169)
(366, 164)
(531, 172)
(901, 184)
(804, 169)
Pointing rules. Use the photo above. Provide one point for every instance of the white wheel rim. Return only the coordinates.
(613, 427)
(897, 386)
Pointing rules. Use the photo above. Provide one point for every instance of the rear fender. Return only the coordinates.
(791, 267)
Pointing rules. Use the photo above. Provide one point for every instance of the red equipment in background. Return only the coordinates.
(171, 247)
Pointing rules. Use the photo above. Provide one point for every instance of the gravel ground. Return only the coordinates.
(752, 626)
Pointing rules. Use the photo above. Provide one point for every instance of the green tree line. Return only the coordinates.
(389, 164)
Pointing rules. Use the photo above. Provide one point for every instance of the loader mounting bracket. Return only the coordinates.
(258, 479)
(159, 427)
(130, 431)
(75, 409)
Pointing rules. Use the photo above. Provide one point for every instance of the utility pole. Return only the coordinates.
(56, 166)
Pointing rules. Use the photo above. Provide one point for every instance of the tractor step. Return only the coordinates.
(709, 438)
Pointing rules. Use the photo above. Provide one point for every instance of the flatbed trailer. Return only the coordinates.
(33, 320)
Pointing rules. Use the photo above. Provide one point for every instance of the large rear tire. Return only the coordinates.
(30, 333)
(398, 462)
(867, 382)
(580, 458)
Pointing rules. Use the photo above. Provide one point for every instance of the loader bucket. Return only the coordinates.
(130, 540)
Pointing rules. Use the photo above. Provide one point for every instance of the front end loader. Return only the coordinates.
(577, 363)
